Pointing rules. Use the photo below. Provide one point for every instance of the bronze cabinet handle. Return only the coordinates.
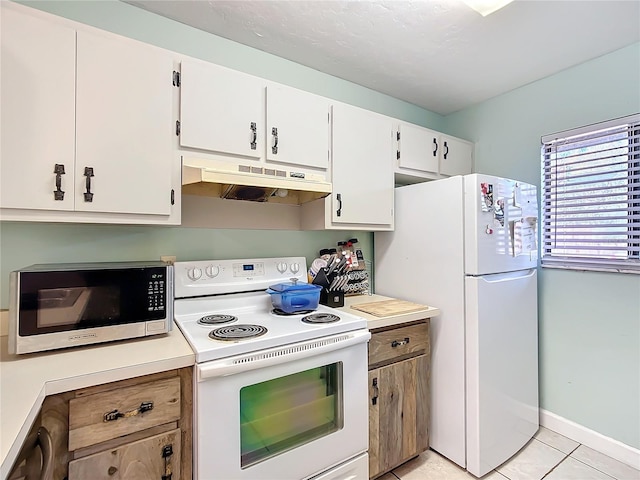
(400, 343)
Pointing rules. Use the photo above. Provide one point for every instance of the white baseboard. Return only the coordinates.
(592, 439)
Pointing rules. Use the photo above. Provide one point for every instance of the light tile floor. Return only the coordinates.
(548, 456)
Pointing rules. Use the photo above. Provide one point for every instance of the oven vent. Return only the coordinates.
(281, 352)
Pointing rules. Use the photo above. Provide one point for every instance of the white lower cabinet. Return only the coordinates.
(86, 125)
(361, 174)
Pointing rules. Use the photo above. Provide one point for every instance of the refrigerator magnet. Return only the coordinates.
(486, 196)
(498, 212)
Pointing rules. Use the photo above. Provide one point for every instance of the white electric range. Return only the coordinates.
(277, 396)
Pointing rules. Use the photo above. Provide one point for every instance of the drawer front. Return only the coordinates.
(103, 416)
(150, 458)
(399, 342)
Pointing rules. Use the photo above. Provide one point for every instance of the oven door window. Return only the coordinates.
(281, 414)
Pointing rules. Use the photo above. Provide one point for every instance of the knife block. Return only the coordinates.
(332, 299)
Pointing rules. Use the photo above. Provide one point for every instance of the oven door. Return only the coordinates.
(288, 412)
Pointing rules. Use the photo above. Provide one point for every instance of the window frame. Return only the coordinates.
(557, 202)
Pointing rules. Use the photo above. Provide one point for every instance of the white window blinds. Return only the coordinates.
(591, 197)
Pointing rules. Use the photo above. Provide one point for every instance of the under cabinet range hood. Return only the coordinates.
(256, 183)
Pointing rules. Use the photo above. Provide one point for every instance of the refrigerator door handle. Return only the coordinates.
(506, 277)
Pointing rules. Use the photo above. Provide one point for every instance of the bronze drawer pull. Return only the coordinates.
(399, 343)
(115, 414)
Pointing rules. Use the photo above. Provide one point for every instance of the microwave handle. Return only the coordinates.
(279, 355)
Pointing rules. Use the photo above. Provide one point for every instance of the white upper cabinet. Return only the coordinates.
(297, 127)
(86, 125)
(232, 115)
(124, 126)
(417, 148)
(422, 153)
(362, 177)
(38, 113)
(456, 156)
(221, 110)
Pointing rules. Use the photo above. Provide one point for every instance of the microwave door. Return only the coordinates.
(62, 306)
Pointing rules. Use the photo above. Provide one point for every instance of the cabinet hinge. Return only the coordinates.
(398, 136)
(397, 154)
(173, 197)
(176, 79)
(178, 128)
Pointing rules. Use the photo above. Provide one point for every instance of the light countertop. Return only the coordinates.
(25, 380)
(377, 322)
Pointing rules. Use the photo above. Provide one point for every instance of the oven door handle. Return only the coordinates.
(279, 355)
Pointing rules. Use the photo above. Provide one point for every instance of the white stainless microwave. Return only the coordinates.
(64, 305)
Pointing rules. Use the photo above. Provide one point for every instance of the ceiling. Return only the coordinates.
(438, 54)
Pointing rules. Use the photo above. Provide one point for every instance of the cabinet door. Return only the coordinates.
(221, 110)
(297, 128)
(417, 147)
(38, 109)
(152, 457)
(362, 175)
(456, 156)
(124, 126)
(398, 417)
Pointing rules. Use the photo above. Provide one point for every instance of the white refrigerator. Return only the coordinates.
(468, 245)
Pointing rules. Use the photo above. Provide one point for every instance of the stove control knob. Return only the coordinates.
(212, 271)
(282, 267)
(295, 267)
(194, 273)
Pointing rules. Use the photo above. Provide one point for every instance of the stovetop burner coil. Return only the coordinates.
(237, 332)
(282, 313)
(321, 318)
(216, 319)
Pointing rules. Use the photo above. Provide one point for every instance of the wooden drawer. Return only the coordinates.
(136, 460)
(402, 342)
(87, 423)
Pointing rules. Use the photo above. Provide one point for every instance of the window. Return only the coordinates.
(591, 197)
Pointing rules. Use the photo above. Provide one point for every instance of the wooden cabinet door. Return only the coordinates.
(297, 128)
(38, 111)
(362, 173)
(150, 458)
(417, 148)
(456, 156)
(124, 126)
(221, 110)
(399, 416)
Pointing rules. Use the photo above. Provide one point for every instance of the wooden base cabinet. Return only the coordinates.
(132, 429)
(399, 396)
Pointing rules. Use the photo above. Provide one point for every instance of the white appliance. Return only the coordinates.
(284, 396)
(468, 245)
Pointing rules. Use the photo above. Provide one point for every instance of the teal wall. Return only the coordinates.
(23, 244)
(589, 322)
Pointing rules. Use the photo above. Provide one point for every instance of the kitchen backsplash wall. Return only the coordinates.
(24, 244)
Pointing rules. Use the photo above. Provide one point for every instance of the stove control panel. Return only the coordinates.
(250, 269)
(213, 277)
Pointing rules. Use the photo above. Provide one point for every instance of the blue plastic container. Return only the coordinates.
(294, 297)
